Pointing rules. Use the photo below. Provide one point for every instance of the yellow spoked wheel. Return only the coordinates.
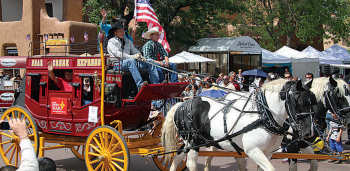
(9, 143)
(78, 151)
(106, 149)
(165, 165)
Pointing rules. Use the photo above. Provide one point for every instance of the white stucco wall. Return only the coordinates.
(11, 10)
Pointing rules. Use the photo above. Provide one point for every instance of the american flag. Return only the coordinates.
(145, 13)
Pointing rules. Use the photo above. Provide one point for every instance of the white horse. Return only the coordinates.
(208, 119)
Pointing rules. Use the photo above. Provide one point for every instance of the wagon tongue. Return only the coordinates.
(158, 91)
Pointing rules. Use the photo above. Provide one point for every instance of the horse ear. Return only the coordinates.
(332, 82)
(308, 84)
(300, 86)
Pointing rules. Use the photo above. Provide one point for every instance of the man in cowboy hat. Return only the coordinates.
(154, 51)
(122, 48)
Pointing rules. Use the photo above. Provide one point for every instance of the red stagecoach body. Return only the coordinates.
(59, 112)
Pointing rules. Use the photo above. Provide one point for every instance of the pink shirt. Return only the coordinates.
(64, 85)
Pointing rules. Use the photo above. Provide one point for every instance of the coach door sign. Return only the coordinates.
(59, 106)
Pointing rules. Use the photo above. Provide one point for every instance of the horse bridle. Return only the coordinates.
(291, 97)
(333, 92)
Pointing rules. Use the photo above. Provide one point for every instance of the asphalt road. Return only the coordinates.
(65, 160)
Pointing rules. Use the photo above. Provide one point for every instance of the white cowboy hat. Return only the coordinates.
(148, 34)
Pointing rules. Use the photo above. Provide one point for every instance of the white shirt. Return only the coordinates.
(115, 48)
(335, 129)
(29, 161)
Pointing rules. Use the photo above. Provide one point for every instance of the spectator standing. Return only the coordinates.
(218, 81)
(334, 135)
(240, 78)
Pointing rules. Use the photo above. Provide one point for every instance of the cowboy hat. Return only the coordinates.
(116, 26)
(148, 34)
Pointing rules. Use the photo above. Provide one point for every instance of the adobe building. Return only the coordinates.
(21, 21)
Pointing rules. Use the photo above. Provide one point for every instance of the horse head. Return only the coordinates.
(300, 105)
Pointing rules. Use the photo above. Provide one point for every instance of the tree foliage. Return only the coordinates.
(184, 21)
(306, 19)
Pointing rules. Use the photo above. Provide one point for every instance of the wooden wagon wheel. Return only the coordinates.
(106, 149)
(9, 147)
(78, 151)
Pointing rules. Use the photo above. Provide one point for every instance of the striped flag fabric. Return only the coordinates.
(145, 13)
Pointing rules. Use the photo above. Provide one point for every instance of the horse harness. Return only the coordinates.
(188, 128)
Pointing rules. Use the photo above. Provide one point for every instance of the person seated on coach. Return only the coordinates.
(61, 83)
(122, 48)
(154, 52)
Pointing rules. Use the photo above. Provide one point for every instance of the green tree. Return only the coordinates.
(308, 20)
(184, 21)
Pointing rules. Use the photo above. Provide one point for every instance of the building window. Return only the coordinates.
(49, 9)
(11, 10)
(11, 51)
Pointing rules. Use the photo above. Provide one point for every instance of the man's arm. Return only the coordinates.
(29, 161)
(51, 73)
(164, 54)
(105, 27)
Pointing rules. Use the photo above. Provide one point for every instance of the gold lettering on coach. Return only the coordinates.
(89, 62)
(60, 62)
(37, 62)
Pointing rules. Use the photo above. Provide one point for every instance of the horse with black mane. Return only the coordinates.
(239, 122)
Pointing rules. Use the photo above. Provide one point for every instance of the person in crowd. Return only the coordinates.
(226, 83)
(334, 136)
(123, 49)
(181, 78)
(87, 94)
(206, 84)
(288, 76)
(219, 79)
(309, 77)
(46, 164)
(29, 161)
(186, 94)
(240, 78)
(154, 52)
(62, 83)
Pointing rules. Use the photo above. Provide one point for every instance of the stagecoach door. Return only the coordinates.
(60, 112)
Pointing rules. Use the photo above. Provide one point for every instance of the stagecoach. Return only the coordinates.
(104, 131)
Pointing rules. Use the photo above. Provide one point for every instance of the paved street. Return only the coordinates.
(65, 160)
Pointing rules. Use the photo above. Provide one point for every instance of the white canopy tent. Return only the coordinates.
(186, 57)
(339, 52)
(301, 62)
(324, 58)
(269, 57)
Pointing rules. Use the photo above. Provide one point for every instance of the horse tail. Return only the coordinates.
(169, 132)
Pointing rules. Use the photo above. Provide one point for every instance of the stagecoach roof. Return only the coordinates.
(243, 44)
(12, 62)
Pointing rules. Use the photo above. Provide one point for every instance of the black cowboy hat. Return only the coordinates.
(116, 26)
